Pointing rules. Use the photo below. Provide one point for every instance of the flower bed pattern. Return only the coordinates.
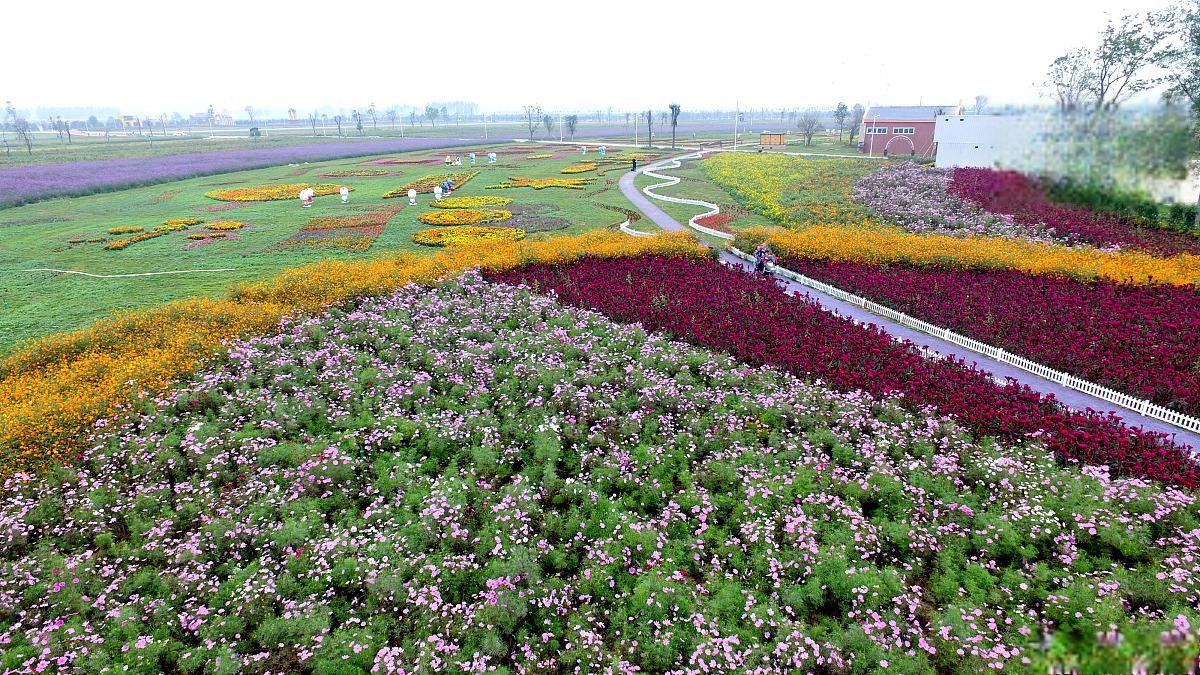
(467, 234)
(275, 191)
(356, 173)
(886, 246)
(225, 225)
(485, 202)
(544, 155)
(473, 471)
(166, 228)
(580, 168)
(1012, 193)
(427, 183)
(918, 199)
(1140, 340)
(129, 229)
(463, 217)
(717, 221)
(757, 321)
(347, 233)
(543, 183)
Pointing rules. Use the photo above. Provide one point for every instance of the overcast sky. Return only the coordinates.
(154, 57)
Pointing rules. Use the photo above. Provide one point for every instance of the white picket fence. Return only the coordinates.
(624, 227)
(1133, 403)
(668, 181)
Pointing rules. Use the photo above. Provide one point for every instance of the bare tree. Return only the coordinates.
(533, 118)
(840, 113)
(312, 119)
(856, 118)
(391, 115)
(809, 122)
(412, 118)
(250, 114)
(627, 116)
(374, 122)
(649, 128)
(675, 111)
(431, 112)
(1070, 79)
(572, 123)
(981, 102)
(358, 121)
(24, 132)
(337, 119)
(549, 123)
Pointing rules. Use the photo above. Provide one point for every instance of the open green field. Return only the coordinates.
(48, 149)
(36, 303)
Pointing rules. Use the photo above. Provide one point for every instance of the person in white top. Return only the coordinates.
(306, 197)
(345, 193)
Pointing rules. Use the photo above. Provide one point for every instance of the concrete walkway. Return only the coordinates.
(1069, 397)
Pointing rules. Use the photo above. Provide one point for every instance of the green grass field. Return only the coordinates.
(34, 304)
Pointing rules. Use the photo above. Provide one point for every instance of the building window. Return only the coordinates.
(903, 130)
(877, 130)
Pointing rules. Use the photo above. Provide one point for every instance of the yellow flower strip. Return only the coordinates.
(873, 244)
(53, 390)
(791, 190)
(457, 236)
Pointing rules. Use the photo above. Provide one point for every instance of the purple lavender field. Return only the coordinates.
(22, 185)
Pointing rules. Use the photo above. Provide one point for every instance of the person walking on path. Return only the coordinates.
(634, 169)
(762, 256)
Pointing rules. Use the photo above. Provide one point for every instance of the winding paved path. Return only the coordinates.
(1070, 397)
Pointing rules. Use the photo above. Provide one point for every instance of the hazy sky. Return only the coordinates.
(153, 57)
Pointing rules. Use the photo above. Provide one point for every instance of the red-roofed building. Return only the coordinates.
(902, 130)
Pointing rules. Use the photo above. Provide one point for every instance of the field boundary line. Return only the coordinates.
(1138, 405)
(119, 276)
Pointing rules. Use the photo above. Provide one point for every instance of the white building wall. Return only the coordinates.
(968, 140)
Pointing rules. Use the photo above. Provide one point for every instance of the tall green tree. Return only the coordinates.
(856, 118)
(840, 113)
(571, 122)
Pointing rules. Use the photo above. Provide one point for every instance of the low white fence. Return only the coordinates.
(674, 180)
(1133, 403)
(624, 227)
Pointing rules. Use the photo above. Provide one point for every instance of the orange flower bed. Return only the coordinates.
(197, 236)
(225, 225)
(275, 191)
(464, 217)
(183, 221)
(580, 168)
(130, 229)
(543, 183)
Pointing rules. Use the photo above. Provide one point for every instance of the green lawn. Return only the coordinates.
(34, 304)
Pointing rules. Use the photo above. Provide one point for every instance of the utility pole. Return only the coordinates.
(737, 112)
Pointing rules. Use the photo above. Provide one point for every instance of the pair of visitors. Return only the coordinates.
(762, 256)
(449, 161)
(306, 197)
